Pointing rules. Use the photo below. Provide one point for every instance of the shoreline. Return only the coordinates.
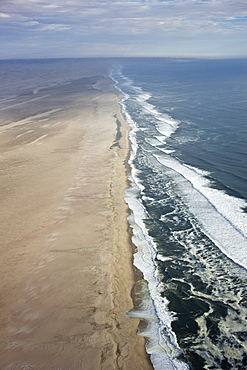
(67, 269)
(123, 152)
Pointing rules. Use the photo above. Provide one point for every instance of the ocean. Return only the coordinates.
(187, 196)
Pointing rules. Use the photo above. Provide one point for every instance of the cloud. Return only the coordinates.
(102, 22)
(3, 15)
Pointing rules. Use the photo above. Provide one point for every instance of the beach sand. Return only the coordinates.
(66, 255)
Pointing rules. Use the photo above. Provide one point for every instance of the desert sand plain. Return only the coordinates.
(66, 255)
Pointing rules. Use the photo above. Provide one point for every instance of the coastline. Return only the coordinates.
(67, 269)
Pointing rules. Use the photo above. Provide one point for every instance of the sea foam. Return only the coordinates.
(221, 215)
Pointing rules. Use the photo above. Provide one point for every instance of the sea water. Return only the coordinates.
(188, 206)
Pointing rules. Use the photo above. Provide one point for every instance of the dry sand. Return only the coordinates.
(66, 257)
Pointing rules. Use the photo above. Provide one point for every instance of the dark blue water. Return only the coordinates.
(188, 200)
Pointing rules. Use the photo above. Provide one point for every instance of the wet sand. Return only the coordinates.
(66, 257)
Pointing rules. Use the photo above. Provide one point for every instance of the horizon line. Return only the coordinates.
(206, 56)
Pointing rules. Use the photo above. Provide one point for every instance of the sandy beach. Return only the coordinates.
(66, 255)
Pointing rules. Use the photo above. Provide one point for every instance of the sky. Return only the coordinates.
(108, 28)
